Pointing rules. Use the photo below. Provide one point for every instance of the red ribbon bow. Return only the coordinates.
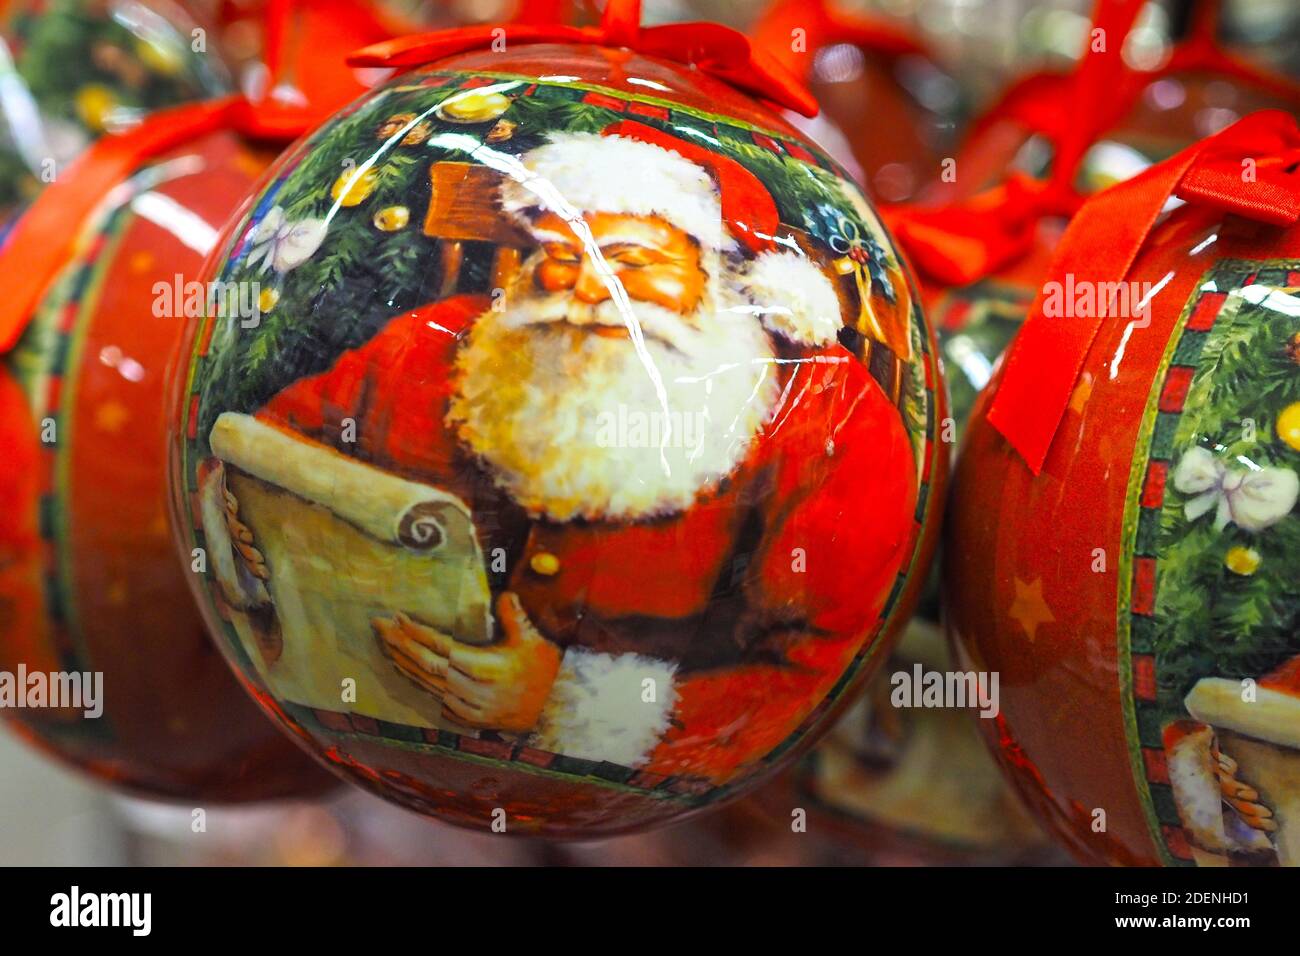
(1102, 243)
(708, 47)
(966, 241)
(961, 242)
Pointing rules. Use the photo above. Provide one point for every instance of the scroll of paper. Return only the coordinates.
(345, 543)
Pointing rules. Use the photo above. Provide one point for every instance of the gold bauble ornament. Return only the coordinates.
(474, 107)
(1288, 425)
(353, 186)
(94, 103)
(162, 58)
(392, 218)
(1243, 561)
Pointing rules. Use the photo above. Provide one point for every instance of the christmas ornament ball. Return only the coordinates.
(587, 456)
(81, 68)
(92, 601)
(1137, 596)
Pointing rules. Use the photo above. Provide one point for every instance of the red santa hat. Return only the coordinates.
(634, 169)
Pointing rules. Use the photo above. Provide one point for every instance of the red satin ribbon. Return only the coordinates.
(1105, 88)
(963, 242)
(1102, 243)
(1200, 52)
(307, 42)
(709, 47)
(966, 241)
(1093, 106)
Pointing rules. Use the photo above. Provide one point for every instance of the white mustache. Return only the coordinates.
(654, 321)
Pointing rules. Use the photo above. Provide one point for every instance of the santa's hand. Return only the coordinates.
(503, 686)
(420, 652)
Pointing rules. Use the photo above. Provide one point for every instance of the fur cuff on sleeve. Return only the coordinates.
(601, 707)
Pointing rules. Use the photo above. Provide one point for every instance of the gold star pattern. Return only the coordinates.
(141, 262)
(1082, 392)
(111, 416)
(1029, 608)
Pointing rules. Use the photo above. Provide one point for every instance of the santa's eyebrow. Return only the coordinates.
(635, 237)
(552, 235)
(615, 247)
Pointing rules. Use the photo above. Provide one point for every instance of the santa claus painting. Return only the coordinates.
(1235, 769)
(638, 506)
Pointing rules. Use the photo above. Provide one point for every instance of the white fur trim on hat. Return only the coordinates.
(598, 709)
(794, 298)
(587, 172)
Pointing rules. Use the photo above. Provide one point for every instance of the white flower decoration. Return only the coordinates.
(1251, 499)
(284, 245)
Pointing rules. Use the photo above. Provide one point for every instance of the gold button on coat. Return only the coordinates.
(544, 563)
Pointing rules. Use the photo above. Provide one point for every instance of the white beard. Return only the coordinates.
(574, 425)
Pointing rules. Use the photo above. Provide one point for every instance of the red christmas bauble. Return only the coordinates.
(585, 458)
(1137, 596)
(89, 583)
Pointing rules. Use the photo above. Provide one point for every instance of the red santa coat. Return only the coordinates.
(751, 603)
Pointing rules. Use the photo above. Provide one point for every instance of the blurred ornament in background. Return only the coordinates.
(912, 784)
(888, 109)
(1179, 83)
(91, 584)
(984, 44)
(99, 272)
(1264, 30)
(544, 619)
(1183, 90)
(1123, 531)
(74, 70)
(918, 781)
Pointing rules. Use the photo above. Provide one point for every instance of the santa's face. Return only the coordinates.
(651, 259)
(625, 377)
